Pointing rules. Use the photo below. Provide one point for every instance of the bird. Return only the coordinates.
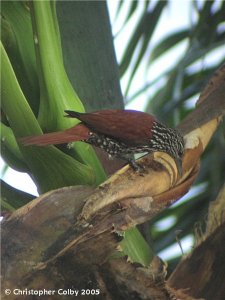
(121, 133)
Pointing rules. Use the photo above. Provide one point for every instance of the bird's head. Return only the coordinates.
(176, 149)
(170, 141)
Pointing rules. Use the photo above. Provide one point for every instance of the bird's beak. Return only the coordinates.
(178, 162)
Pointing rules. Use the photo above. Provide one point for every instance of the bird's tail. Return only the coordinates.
(72, 114)
(76, 133)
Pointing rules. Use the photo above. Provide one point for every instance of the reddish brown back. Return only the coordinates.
(129, 126)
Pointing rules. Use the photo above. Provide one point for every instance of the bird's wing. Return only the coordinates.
(128, 126)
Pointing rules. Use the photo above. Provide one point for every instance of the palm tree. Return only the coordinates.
(35, 92)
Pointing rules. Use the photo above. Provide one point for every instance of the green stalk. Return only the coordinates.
(49, 167)
(17, 38)
(135, 247)
(10, 150)
(56, 91)
(11, 198)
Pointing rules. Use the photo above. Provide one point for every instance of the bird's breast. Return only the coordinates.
(115, 147)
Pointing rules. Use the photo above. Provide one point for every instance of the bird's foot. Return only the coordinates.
(136, 167)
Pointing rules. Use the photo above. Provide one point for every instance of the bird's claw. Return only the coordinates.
(136, 167)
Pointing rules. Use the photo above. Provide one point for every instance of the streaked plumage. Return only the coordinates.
(120, 133)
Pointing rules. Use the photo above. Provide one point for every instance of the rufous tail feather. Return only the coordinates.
(76, 133)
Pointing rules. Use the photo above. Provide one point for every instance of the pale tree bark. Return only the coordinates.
(64, 238)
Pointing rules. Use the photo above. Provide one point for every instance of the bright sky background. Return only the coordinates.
(177, 15)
